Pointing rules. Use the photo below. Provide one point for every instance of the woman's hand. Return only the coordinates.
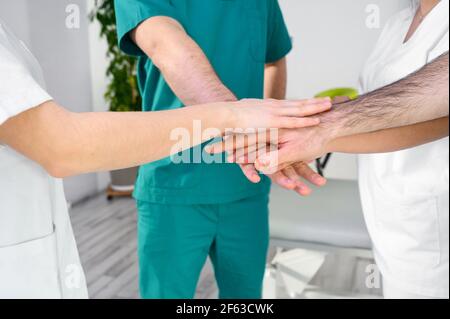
(267, 114)
(253, 124)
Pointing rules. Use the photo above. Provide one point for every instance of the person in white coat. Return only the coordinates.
(401, 124)
(41, 142)
(405, 194)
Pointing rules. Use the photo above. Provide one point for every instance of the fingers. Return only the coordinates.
(279, 114)
(298, 103)
(291, 178)
(340, 99)
(269, 163)
(249, 155)
(307, 108)
(251, 173)
(295, 122)
(299, 114)
(300, 187)
(282, 180)
(306, 172)
(245, 143)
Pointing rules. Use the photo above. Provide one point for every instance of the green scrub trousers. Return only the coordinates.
(189, 210)
(174, 242)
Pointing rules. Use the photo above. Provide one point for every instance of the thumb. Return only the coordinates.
(271, 162)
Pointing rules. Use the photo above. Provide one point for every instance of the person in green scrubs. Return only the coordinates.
(191, 52)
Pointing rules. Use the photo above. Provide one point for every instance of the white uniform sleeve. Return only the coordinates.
(19, 91)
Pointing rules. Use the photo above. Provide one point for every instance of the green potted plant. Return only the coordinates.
(122, 94)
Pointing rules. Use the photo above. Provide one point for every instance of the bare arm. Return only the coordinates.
(182, 62)
(421, 97)
(275, 80)
(66, 143)
(394, 139)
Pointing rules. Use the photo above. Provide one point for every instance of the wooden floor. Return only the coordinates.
(106, 237)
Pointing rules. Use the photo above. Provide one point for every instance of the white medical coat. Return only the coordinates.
(38, 254)
(405, 195)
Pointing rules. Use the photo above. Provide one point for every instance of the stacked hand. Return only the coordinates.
(282, 156)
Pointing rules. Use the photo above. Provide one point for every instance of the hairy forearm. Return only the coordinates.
(68, 144)
(182, 62)
(394, 139)
(422, 96)
(275, 80)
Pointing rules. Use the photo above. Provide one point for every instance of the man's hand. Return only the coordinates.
(294, 146)
(291, 178)
(269, 155)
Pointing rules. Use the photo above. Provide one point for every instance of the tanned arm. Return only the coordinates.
(392, 140)
(185, 67)
(275, 80)
(421, 97)
(385, 114)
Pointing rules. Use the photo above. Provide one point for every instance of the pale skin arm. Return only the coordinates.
(67, 144)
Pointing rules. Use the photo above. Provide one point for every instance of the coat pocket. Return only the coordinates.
(29, 270)
(410, 233)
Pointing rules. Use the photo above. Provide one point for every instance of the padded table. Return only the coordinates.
(331, 216)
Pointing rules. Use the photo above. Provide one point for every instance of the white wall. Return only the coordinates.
(15, 14)
(331, 43)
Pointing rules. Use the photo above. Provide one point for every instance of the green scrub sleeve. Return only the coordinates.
(279, 42)
(131, 13)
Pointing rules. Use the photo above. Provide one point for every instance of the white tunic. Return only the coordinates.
(38, 254)
(405, 194)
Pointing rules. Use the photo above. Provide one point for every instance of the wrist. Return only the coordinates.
(227, 114)
(224, 115)
(324, 138)
(334, 121)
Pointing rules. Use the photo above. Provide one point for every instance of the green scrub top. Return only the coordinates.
(239, 37)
